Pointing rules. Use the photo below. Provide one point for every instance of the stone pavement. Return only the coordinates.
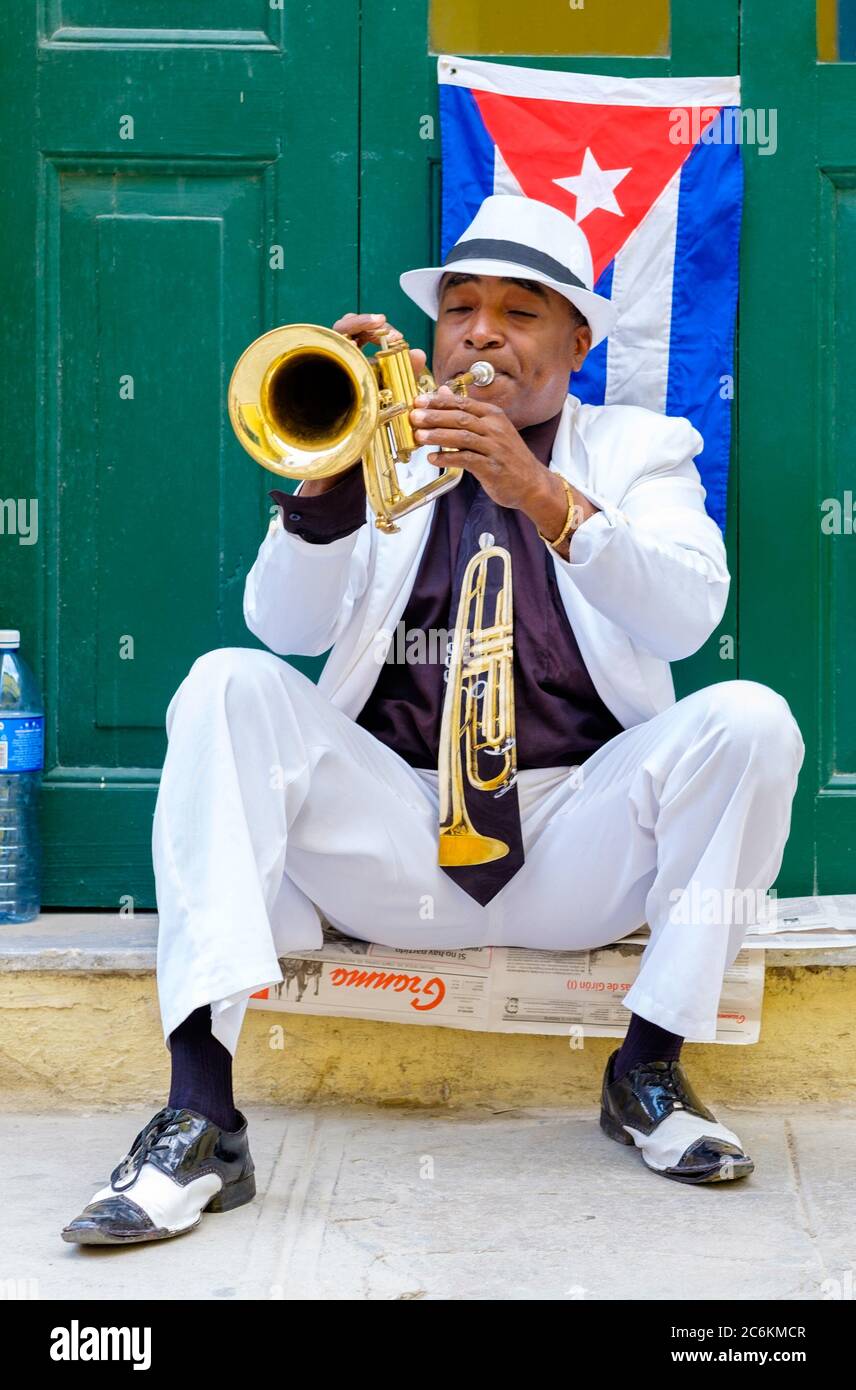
(358, 1202)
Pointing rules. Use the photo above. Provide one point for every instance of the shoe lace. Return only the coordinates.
(151, 1139)
(656, 1068)
(672, 1078)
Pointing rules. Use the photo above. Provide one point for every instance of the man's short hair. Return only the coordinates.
(579, 318)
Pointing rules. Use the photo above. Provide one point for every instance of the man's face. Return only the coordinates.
(527, 332)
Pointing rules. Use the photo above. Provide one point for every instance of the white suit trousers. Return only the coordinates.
(274, 804)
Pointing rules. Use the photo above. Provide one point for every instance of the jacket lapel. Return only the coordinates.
(606, 650)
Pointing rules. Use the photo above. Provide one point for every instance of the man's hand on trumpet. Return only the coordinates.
(362, 329)
(491, 447)
(371, 328)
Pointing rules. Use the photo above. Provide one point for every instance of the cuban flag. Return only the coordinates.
(651, 169)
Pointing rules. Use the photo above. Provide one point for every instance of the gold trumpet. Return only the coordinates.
(478, 709)
(305, 402)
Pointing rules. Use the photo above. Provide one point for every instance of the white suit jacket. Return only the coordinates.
(647, 584)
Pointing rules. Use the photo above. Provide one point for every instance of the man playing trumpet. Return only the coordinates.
(282, 800)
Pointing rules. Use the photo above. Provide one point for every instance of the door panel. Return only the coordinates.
(138, 438)
(176, 176)
(798, 425)
(250, 22)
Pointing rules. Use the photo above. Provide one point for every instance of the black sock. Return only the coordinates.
(202, 1071)
(645, 1042)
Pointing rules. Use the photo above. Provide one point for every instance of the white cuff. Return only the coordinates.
(591, 537)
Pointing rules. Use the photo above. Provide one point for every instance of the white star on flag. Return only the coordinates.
(593, 187)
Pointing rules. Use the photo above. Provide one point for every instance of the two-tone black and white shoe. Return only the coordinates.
(179, 1166)
(654, 1107)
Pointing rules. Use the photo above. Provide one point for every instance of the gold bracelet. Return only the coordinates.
(569, 519)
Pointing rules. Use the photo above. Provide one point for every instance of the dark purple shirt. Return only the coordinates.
(560, 718)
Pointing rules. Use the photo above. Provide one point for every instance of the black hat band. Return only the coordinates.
(498, 250)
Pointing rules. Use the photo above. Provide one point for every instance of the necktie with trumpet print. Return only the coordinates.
(493, 815)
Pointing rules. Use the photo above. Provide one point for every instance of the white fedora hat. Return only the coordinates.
(514, 235)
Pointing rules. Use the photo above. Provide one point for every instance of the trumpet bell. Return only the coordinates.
(459, 847)
(306, 403)
(303, 401)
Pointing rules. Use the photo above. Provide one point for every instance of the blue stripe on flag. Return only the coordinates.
(589, 383)
(468, 160)
(704, 300)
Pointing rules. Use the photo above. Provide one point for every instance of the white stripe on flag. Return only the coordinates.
(637, 360)
(509, 80)
(503, 179)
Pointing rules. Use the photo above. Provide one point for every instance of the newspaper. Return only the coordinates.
(818, 923)
(493, 989)
(795, 924)
(574, 994)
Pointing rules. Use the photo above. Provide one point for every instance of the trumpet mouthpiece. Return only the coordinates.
(482, 373)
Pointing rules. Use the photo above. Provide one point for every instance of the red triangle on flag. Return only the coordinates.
(615, 157)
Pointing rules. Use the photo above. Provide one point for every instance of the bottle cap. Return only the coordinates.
(10, 637)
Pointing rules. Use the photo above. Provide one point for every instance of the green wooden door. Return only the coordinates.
(798, 423)
(144, 253)
(177, 177)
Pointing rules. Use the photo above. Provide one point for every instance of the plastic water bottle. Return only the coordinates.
(22, 759)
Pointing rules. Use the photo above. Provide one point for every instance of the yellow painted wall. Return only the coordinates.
(82, 1040)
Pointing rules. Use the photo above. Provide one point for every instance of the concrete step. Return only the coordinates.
(81, 1026)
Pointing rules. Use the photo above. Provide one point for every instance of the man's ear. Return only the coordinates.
(581, 346)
